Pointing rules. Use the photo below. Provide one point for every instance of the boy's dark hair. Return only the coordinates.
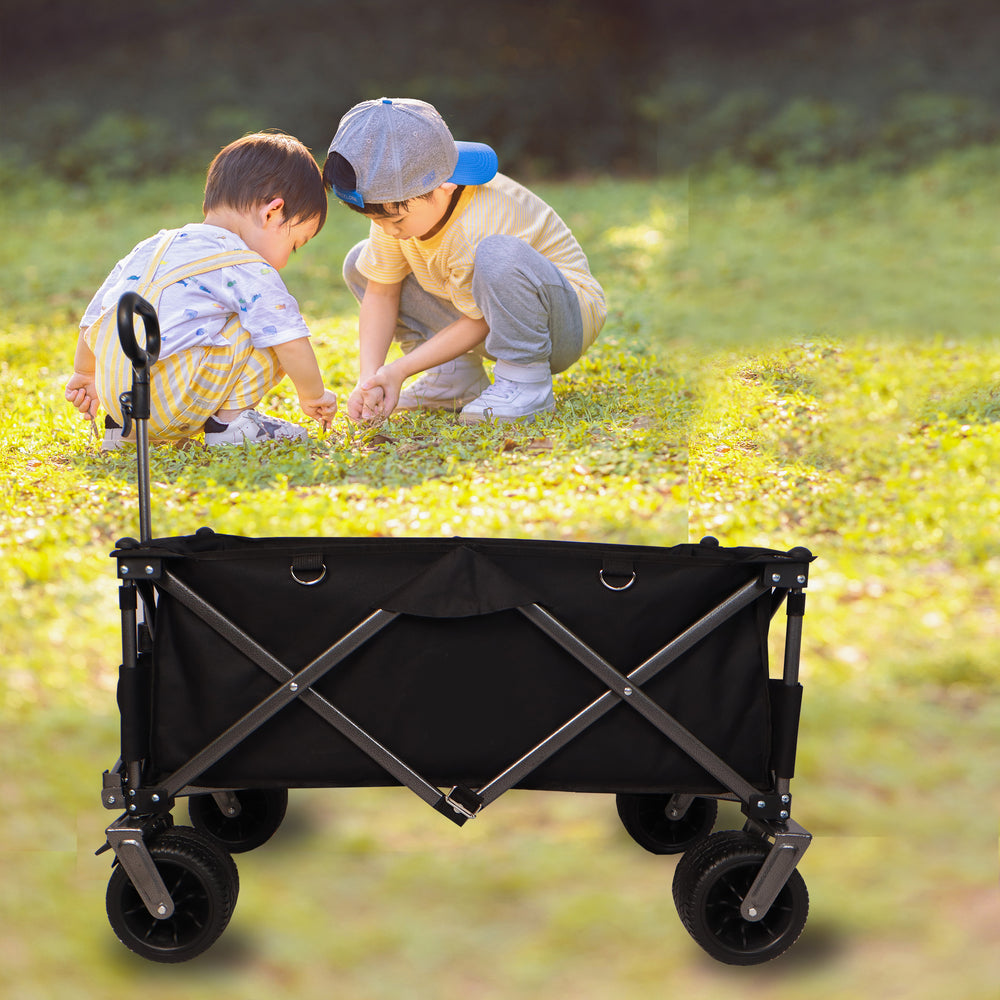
(260, 167)
(338, 173)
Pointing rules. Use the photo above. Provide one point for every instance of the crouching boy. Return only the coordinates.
(461, 263)
(229, 329)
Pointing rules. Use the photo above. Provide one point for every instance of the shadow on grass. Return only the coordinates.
(237, 948)
(821, 946)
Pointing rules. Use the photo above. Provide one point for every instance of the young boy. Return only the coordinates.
(229, 329)
(461, 263)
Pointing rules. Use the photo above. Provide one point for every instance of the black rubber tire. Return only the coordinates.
(261, 813)
(709, 887)
(190, 836)
(645, 819)
(690, 865)
(202, 888)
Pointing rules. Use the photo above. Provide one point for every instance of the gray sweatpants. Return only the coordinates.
(532, 310)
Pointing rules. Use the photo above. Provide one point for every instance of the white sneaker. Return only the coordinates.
(446, 387)
(506, 400)
(255, 428)
(113, 438)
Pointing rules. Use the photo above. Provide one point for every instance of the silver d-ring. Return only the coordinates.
(308, 583)
(611, 586)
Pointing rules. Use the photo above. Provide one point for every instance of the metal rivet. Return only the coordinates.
(783, 814)
(761, 804)
(775, 578)
(800, 578)
(111, 800)
(752, 911)
(293, 686)
(161, 910)
(149, 571)
(628, 691)
(132, 808)
(156, 798)
(786, 799)
(124, 570)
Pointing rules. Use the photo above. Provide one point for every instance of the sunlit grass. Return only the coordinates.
(808, 362)
(850, 447)
(610, 463)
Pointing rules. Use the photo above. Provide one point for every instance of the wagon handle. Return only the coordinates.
(142, 358)
(135, 404)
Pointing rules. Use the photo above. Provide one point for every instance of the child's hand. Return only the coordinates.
(366, 404)
(322, 410)
(387, 382)
(81, 391)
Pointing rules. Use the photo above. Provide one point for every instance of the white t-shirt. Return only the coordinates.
(193, 312)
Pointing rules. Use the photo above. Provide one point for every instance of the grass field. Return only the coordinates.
(806, 360)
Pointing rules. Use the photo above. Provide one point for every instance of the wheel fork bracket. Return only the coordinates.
(789, 845)
(678, 805)
(228, 803)
(130, 849)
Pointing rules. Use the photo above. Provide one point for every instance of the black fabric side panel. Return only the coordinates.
(460, 699)
(133, 705)
(460, 584)
(786, 706)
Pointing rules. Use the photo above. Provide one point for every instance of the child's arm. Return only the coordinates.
(81, 389)
(376, 326)
(446, 345)
(299, 362)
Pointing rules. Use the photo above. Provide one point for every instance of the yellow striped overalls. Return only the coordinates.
(186, 388)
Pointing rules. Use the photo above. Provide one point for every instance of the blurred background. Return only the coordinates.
(842, 186)
(111, 89)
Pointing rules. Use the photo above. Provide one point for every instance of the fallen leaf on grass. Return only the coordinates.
(533, 444)
(408, 447)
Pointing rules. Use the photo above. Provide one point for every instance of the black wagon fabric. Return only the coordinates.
(460, 684)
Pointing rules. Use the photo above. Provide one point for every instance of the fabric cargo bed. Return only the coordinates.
(460, 684)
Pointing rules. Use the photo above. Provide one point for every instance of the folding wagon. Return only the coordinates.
(458, 668)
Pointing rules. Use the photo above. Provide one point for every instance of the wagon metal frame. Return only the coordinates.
(151, 853)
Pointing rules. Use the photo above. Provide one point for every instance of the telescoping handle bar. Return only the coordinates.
(135, 404)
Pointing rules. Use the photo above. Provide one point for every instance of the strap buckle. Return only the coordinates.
(464, 801)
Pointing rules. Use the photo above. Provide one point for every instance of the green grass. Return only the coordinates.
(607, 465)
(887, 470)
(804, 361)
(847, 252)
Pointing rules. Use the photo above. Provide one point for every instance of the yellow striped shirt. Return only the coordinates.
(443, 264)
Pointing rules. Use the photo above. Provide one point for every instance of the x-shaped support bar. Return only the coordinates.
(460, 804)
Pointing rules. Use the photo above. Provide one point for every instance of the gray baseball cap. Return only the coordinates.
(401, 148)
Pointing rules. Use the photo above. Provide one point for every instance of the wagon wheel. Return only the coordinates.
(261, 811)
(202, 885)
(190, 835)
(648, 822)
(710, 885)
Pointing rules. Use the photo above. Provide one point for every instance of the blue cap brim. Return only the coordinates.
(351, 197)
(477, 163)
